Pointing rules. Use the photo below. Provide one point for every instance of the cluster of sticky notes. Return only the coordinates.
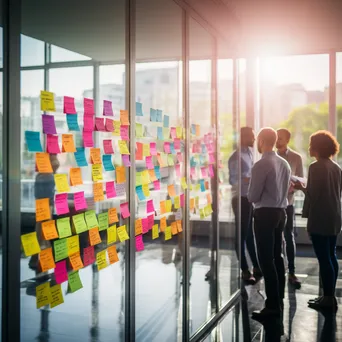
(49, 295)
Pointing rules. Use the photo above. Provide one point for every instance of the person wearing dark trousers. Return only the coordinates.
(322, 208)
(268, 189)
(246, 237)
(296, 164)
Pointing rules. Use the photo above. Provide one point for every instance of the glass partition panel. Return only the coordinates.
(338, 101)
(32, 51)
(1, 149)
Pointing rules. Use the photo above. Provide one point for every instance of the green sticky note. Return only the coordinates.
(139, 130)
(138, 178)
(63, 227)
(74, 281)
(166, 132)
(91, 219)
(103, 221)
(61, 249)
(79, 223)
(170, 160)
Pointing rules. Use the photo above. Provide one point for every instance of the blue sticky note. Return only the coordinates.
(80, 157)
(202, 160)
(204, 149)
(160, 134)
(138, 109)
(166, 122)
(107, 162)
(157, 171)
(202, 185)
(172, 148)
(72, 122)
(159, 115)
(192, 162)
(33, 141)
(193, 129)
(140, 193)
(153, 115)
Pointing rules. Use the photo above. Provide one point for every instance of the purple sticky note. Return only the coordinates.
(88, 123)
(110, 190)
(150, 206)
(69, 105)
(139, 243)
(107, 108)
(181, 196)
(61, 204)
(124, 132)
(109, 125)
(49, 126)
(150, 220)
(156, 185)
(177, 144)
(153, 149)
(167, 147)
(126, 161)
(177, 167)
(52, 144)
(88, 105)
(173, 133)
(149, 163)
(88, 139)
(61, 274)
(88, 256)
(99, 124)
(79, 201)
(211, 171)
(144, 222)
(124, 209)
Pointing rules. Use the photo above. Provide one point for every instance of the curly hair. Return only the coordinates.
(324, 144)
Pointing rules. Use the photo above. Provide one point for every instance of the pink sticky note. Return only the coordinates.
(192, 172)
(99, 124)
(49, 126)
(153, 149)
(211, 148)
(177, 167)
(126, 161)
(124, 208)
(139, 243)
(144, 222)
(88, 123)
(150, 206)
(88, 139)
(61, 204)
(211, 158)
(179, 157)
(108, 146)
(156, 185)
(181, 196)
(194, 148)
(204, 172)
(107, 108)
(79, 201)
(149, 163)
(109, 125)
(167, 147)
(61, 274)
(173, 133)
(150, 220)
(69, 105)
(52, 144)
(124, 132)
(110, 190)
(88, 256)
(88, 105)
(177, 144)
(211, 171)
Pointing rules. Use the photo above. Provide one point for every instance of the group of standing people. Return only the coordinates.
(267, 212)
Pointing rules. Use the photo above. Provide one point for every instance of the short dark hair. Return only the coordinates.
(246, 129)
(285, 131)
(324, 144)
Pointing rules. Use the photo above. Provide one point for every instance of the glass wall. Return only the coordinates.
(338, 101)
(1, 148)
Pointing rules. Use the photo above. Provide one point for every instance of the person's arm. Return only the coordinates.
(233, 170)
(257, 183)
(299, 168)
(313, 189)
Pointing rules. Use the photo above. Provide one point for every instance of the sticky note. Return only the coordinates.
(178, 214)
(139, 130)
(61, 274)
(120, 174)
(152, 175)
(112, 254)
(96, 172)
(140, 193)
(172, 148)
(138, 109)
(179, 132)
(124, 132)
(108, 147)
(79, 223)
(202, 185)
(110, 190)
(122, 233)
(211, 158)
(138, 226)
(76, 261)
(204, 172)
(124, 209)
(139, 151)
(144, 223)
(160, 134)
(109, 125)
(68, 144)
(101, 260)
(126, 160)
(74, 281)
(75, 175)
(145, 177)
(177, 144)
(103, 220)
(49, 230)
(146, 150)
(98, 192)
(43, 209)
(156, 185)
(170, 160)
(168, 234)
(192, 203)
(33, 141)
(79, 201)
(100, 125)
(60, 248)
(80, 157)
(48, 123)
(63, 227)
(52, 144)
(73, 244)
(182, 200)
(166, 132)
(69, 105)
(61, 204)
(153, 115)
(159, 115)
(47, 101)
(94, 236)
(111, 235)
(162, 224)
(179, 226)
(139, 243)
(183, 183)
(61, 181)
(171, 190)
(150, 206)
(117, 125)
(174, 230)
(208, 209)
(121, 189)
(124, 117)
(56, 296)
(177, 169)
(179, 157)
(43, 295)
(162, 207)
(30, 244)
(167, 147)
(153, 149)
(107, 108)
(157, 171)
(107, 162)
(88, 139)
(91, 219)
(88, 105)
(173, 133)
(150, 220)
(166, 121)
(88, 255)
(177, 202)
(43, 162)
(168, 205)
(202, 214)
(112, 216)
(123, 147)
(155, 231)
(95, 156)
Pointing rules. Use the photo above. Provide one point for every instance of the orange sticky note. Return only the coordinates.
(179, 226)
(209, 199)
(124, 117)
(192, 203)
(162, 224)
(162, 207)
(46, 259)
(98, 192)
(49, 230)
(171, 190)
(112, 254)
(94, 236)
(68, 144)
(43, 162)
(120, 174)
(152, 175)
(75, 176)
(174, 230)
(95, 156)
(43, 209)
(207, 185)
(198, 130)
(139, 151)
(138, 227)
(112, 216)
(76, 261)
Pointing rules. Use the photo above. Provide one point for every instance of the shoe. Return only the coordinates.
(248, 278)
(315, 300)
(257, 272)
(265, 314)
(324, 304)
(293, 280)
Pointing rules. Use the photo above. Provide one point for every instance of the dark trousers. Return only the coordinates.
(290, 239)
(325, 249)
(269, 224)
(246, 237)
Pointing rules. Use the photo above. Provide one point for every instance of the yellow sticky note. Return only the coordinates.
(98, 192)
(196, 201)
(170, 161)
(30, 244)
(112, 216)
(63, 227)
(138, 226)
(112, 254)
(79, 223)
(68, 144)
(168, 234)
(177, 202)
(95, 156)
(162, 224)
(171, 190)
(56, 295)
(47, 101)
(111, 235)
(168, 204)
(155, 231)
(139, 130)
(124, 117)
(73, 244)
(183, 183)
(75, 175)
(46, 260)
(43, 162)
(76, 261)
(138, 178)
(122, 233)
(202, 214)
(208, 210)
(179, 131)
(101, 260)
(123, 147)
(43, 209)
(96, 171)
(145, 177)
(146, 150)
(146, 190)
(49, 230)
(166, 132)
(61, 181)
(43, 296)
(192, 203)
(120, 174)
(117, 127)
(94, 236)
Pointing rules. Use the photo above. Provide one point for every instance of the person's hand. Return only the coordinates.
(299, 186)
